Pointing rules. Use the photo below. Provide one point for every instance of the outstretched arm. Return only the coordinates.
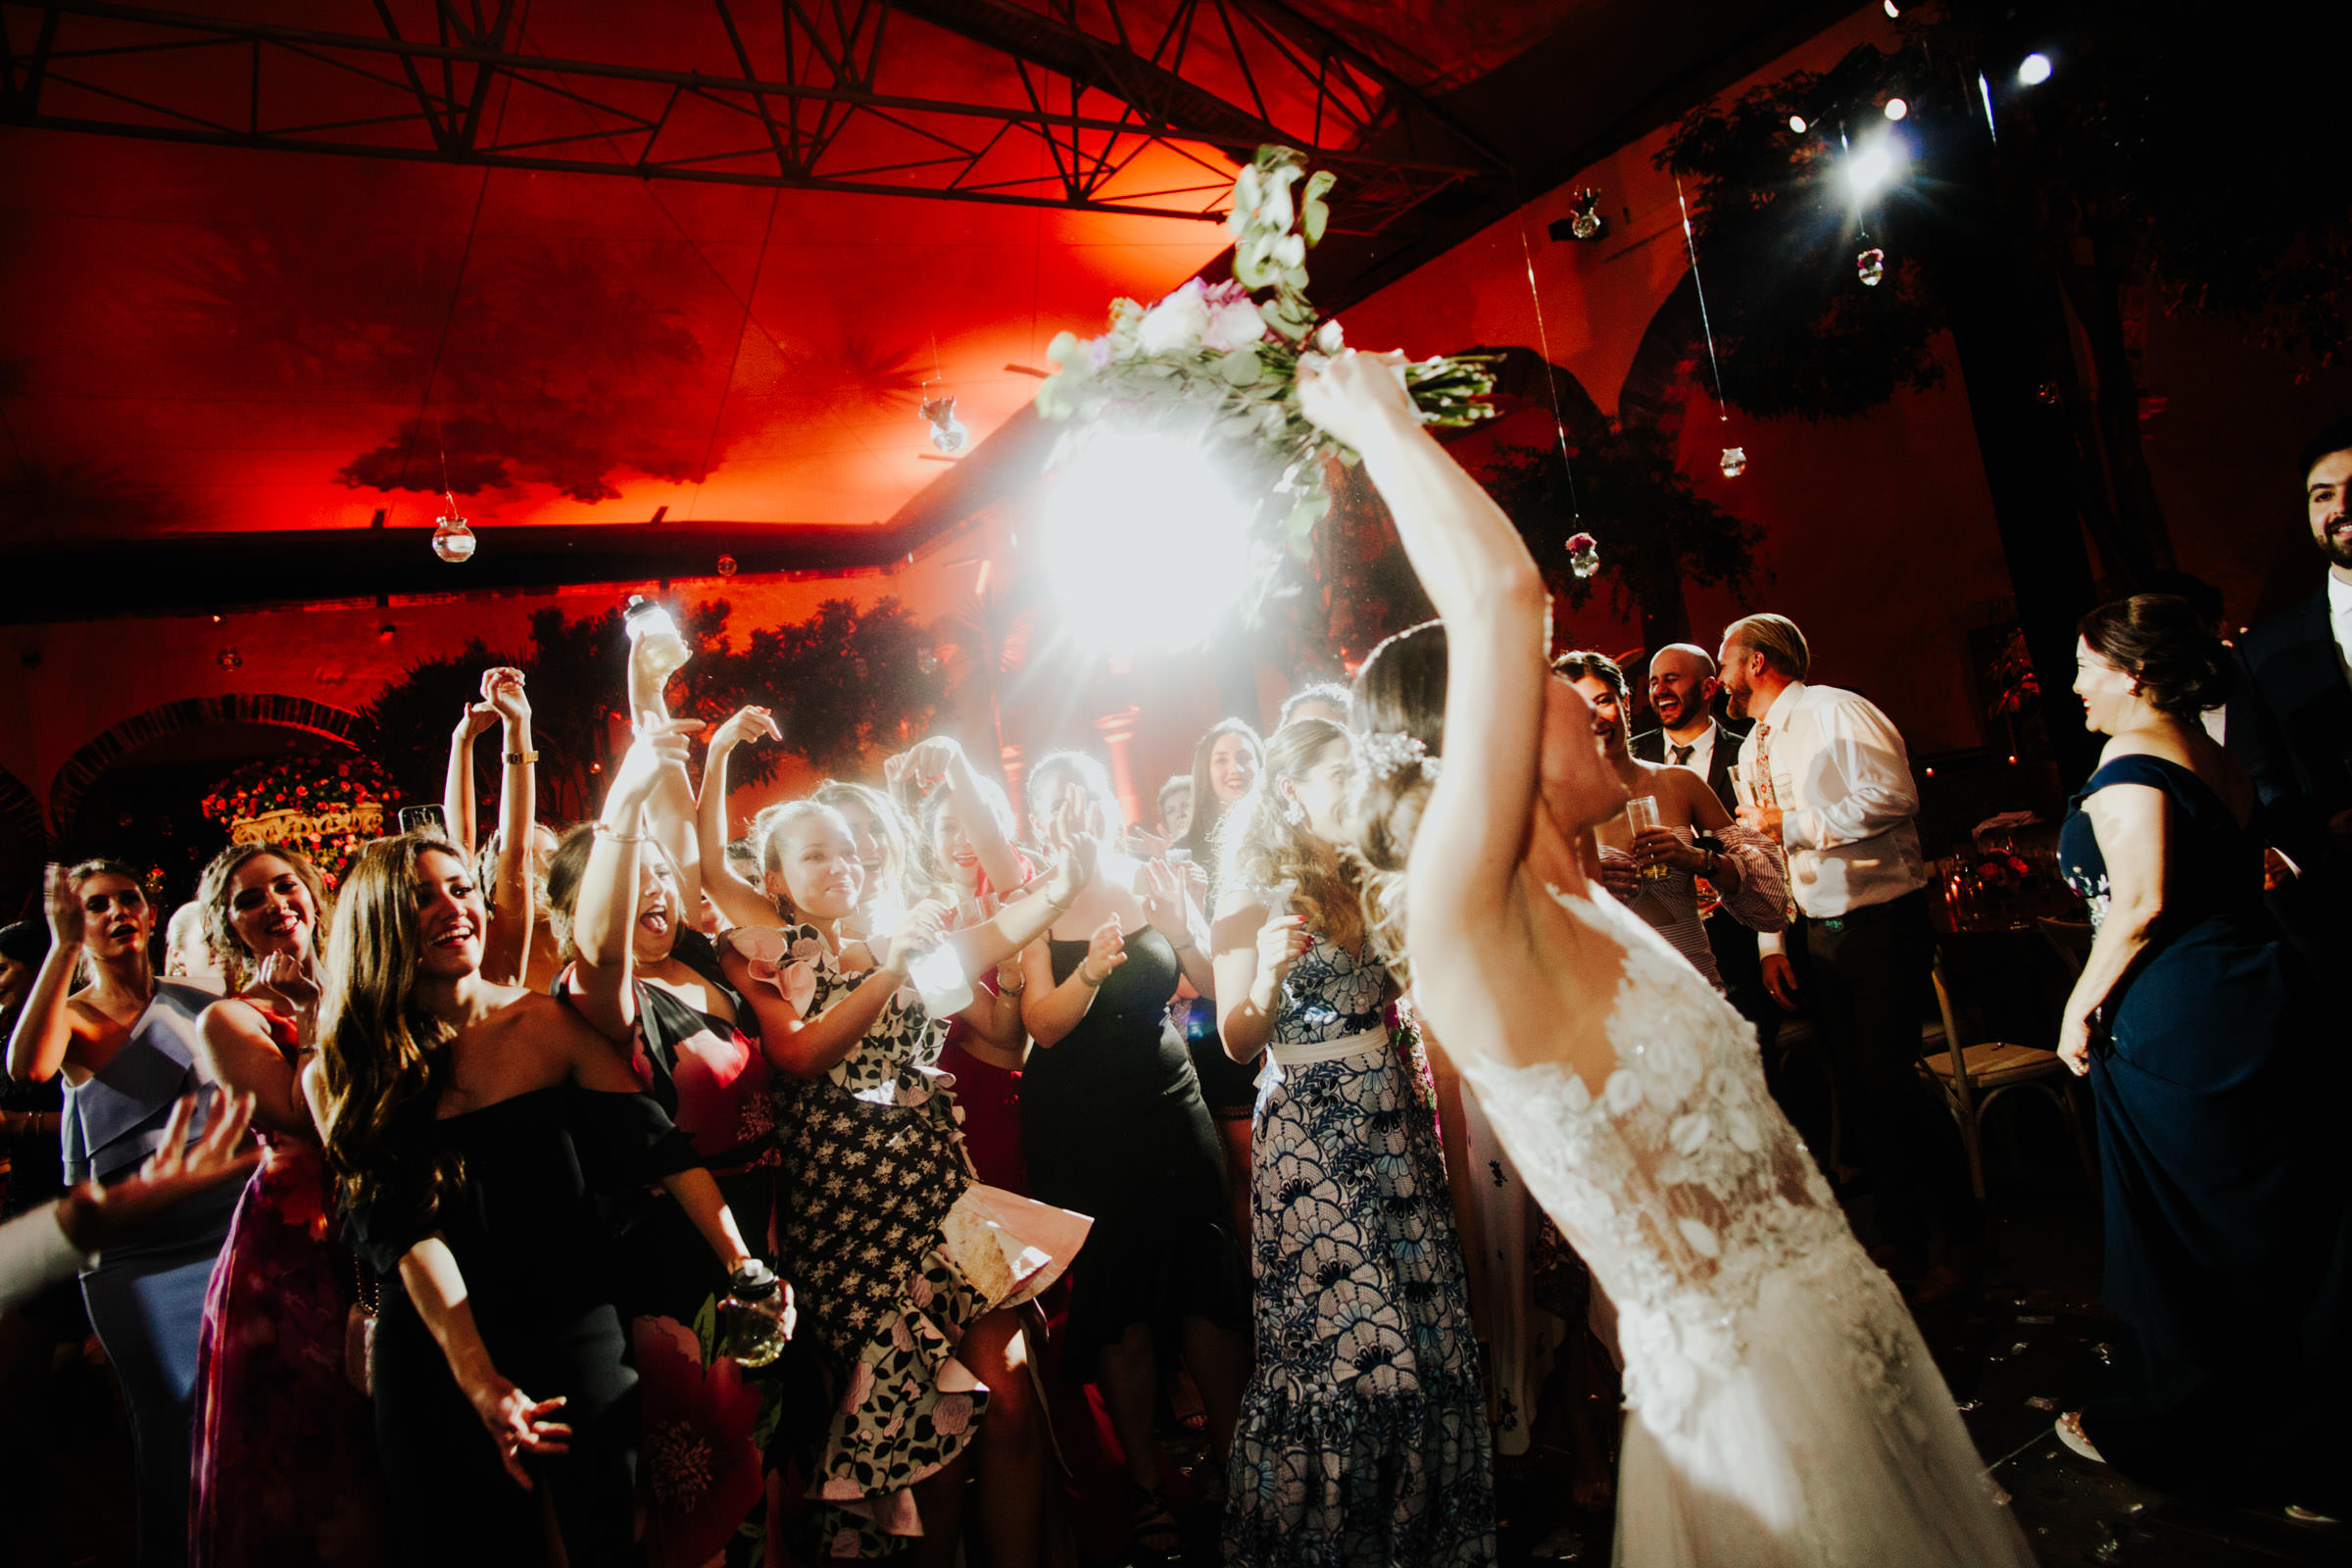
(939, 760)
(514, 889)
(1022, 922)
(457, 808)
(671, 814)
(604, 920)
(739, 902)
(1486, 588)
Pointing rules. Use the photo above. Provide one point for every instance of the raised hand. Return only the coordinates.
(1281, 942)
(1106, 951)
(1075, 871)
(475, 719)
(1348, 394)
(660, 744)
(919, 930)
(502, 694)
(290, 978)
(64, 908)
(930, 758)
(749, 723)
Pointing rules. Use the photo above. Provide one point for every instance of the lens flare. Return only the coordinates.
(1147, 541)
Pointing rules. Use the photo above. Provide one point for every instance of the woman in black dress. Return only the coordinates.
(1114, 1126)
(478, 1133)
(2224, 1251)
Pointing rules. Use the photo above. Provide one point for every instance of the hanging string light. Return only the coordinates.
(1559, 425)
(947, 432)
(1735, 459)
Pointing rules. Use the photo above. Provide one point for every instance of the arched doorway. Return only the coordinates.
(133, 793)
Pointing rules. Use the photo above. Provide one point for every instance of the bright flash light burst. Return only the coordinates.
(1147, 541)
(2033, 70)
(1876, 164)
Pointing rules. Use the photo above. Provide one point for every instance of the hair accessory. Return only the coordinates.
(1385, 751)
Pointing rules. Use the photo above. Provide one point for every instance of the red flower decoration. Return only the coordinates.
(699, 1469)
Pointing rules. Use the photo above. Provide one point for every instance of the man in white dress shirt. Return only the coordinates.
(1828, 776)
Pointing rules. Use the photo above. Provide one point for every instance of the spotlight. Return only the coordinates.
(947, 432)
(1796, 122)
(1894, 12)
(1146, 541)
(2033, 70)
(1874, 164)
(1896, 109)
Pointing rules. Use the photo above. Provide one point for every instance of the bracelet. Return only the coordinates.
(1088, 980)
(522, 758)
(616, 836)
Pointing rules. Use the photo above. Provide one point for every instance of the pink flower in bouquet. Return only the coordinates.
(700, 1468)
(1232, 318)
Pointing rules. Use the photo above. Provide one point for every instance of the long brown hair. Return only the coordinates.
(213, 894)
(1259, 846)
(1201, 834)
(383, 1061)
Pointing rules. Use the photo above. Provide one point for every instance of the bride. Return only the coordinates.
(1784, 1409)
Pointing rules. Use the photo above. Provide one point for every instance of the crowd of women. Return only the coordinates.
(649, 1191)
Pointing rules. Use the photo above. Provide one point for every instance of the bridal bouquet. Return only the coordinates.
(1228, 354)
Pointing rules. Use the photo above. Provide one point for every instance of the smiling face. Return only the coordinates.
(867, 836)
(813, 866)
(116, 917)
(1578, 785)
(2328, 494)
(952, 847)
(1608, 711)
(1232, 767)
(449, 917)
(1680, 686)
(1739, 677)
(1176, 812)
(270, 910)
(2109, 695)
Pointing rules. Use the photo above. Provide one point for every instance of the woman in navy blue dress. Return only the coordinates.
(2224, 1237)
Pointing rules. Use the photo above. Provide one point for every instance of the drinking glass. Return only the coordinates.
(1642, 814)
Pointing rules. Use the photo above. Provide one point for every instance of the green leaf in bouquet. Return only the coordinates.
(1313, 210)
(1241, 367)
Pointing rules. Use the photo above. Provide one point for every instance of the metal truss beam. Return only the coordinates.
(809, 113)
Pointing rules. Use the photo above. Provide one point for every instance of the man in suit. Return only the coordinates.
(1681, 691)
(2291, 725)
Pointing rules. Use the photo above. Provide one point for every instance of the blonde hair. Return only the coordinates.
(1777, 638)
(1259, 846)
(383, 1061)
(1400, 695)
(214, 894)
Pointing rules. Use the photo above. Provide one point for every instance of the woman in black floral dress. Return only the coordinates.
(903, 1264)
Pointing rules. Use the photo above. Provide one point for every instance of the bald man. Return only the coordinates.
(1681, 691)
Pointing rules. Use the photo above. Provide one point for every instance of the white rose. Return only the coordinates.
(1177, 321)
(1328, 339)
(1232, 324)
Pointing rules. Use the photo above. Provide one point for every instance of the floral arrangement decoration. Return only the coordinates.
(2003, 869)
(326, 807)
(1230, 351)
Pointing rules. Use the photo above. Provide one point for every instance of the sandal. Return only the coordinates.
(1153, 1522)
(2070, 1432)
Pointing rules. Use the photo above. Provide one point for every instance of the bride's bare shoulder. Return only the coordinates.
(1541, 995)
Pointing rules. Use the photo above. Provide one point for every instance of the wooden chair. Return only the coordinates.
(2070, 938)
(1973, 1076)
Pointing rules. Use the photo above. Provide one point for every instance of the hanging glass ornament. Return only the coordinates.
(1871, 266)
(1586, 221)
(453, 541)
(1735, 462)
(1584, 555)
(947, 432)
(727, 565)
(231, 659)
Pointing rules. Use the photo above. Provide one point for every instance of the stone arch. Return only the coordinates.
(110, 747)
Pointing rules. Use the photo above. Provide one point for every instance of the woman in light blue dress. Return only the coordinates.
(126, 1046)
(1364, 1436)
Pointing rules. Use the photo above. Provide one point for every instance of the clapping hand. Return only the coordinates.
(1106, 951)
(1161, 888)
(64, 908)
(1074, 871)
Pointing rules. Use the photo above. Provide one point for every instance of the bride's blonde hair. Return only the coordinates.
(1400, 710)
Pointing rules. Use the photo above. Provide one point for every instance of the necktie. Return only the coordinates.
(1681, 754)
(1766, 793)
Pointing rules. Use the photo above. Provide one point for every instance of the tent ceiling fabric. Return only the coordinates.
(594, 261)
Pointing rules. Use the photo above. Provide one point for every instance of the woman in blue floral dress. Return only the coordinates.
(1363, 1435)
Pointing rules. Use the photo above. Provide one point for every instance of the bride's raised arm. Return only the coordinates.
(1488, 592)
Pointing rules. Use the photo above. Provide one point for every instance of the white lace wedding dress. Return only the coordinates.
(1782, 1408)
